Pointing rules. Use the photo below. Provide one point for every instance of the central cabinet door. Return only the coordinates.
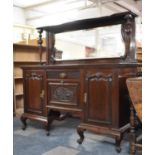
(63, 94)
(63, 89)
(34, 89)
(99, 97)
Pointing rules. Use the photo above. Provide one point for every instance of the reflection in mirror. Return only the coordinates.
(101, 42)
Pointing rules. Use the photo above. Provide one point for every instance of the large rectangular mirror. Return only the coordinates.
(100, 42)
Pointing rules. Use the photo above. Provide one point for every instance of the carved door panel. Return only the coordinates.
(34, 91)
(63, 94)
(98, 98)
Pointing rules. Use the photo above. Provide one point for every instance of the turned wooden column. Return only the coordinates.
(40, 41)
(132, 131)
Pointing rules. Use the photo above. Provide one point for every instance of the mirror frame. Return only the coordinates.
(126, 19)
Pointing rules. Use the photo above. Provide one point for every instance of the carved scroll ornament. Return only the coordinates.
(33, 76)
(99, 76)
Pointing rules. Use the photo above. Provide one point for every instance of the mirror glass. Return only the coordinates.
(100, 42)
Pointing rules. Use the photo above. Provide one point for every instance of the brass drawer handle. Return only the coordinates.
(85, 98)
(62, 75)
(42, 94)
(62, 82)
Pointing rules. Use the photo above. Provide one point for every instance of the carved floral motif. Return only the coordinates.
(62, 93)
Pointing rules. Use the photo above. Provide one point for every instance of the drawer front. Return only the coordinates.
(66, 94)
(63, 74)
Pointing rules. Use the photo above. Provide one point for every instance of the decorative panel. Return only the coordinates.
(34, 92)
(99, 98)
(63, 93)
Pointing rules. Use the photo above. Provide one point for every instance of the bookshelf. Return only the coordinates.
(139, 54)
(23, 55)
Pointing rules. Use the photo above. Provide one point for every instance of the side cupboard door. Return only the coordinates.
(99, 97)
(34, 92)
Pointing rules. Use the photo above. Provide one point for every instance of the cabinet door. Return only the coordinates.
(98, 98)
(34, 90)
(63, 94)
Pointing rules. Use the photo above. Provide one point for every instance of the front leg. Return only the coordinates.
(48, 124)
(118, 140)
(80, 131)
(132, 131)
(53, 115)
(23, 120)
(132, 148)
(50, 118)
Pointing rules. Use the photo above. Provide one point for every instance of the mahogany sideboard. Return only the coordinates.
(98, 93)
(94, 89)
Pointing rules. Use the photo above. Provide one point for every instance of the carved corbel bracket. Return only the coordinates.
(128, 35)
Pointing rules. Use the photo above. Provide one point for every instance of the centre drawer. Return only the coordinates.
(63, 74)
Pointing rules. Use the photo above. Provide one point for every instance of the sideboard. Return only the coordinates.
(93, 88)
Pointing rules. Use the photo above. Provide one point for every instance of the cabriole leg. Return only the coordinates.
(23, 120)
(80, 132)
(118, 143)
